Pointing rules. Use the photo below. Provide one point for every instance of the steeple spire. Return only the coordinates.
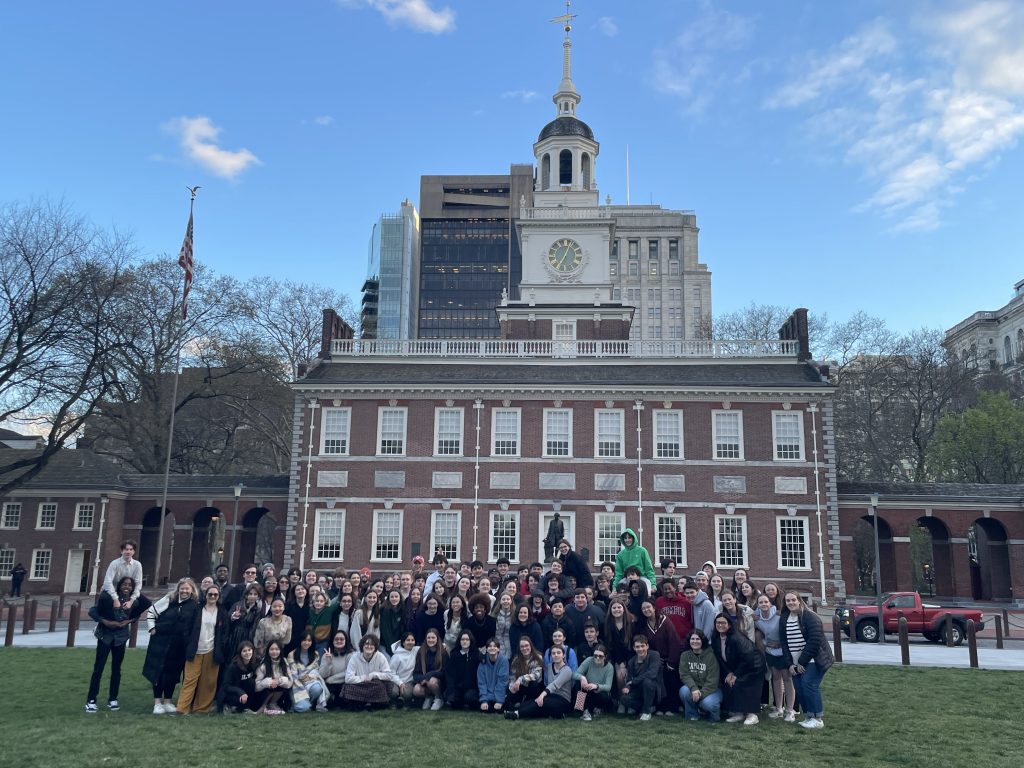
(567, 97)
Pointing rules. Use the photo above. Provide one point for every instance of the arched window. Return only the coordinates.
(1007, 350)
(545, 172)
(585, 168)
(565, 167)
(1020, 343)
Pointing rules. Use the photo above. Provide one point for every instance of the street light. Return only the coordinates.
(234, 529)
(99, 546)
(878, 567)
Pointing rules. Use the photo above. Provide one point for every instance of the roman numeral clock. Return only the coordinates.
(565, 257)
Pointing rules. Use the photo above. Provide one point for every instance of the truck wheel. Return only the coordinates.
(867, 631)
(959, 633)
(931, 637)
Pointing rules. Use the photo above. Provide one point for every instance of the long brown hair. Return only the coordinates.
(521, 664)
(440, 654)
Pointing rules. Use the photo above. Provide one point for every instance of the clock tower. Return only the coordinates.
(565, 238)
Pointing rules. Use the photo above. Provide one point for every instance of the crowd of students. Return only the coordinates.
(543, 641)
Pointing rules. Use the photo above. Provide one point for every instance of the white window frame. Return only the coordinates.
(656, 437)
(492, 553)
(659, 554)
(375, 537)
(546, 453)
(33, 567)
(39, 516)
(776, 416)
(621, 414)
(805, 521)
(715, 438)
(615, 519)
(723, 561)
(518, 412)
(438, 415)
(438, 514)
(80, 509)
(404, 438)
(343, 433)
(7, 563)
(11, 507)
(563, 330)
(341, 516)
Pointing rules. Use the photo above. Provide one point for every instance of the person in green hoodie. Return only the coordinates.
(698, 671)
(633, 554)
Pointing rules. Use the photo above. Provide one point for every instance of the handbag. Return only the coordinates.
(581, 701)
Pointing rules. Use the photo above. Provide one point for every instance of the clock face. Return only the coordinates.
(565, 255)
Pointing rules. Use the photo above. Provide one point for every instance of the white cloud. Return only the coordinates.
(606, 26)
(323, 120)
(417, 14)
(917, 140)
(692, 67)
(521, 94)
(198, 137)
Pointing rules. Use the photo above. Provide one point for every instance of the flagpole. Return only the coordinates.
(174, 393)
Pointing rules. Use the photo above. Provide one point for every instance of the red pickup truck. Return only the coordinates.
(921, 619)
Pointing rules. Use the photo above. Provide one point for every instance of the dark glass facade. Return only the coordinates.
(464, 266)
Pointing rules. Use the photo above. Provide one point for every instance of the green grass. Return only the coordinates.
(875, 716)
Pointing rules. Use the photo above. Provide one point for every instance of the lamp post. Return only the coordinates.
(234, 529)
(99, 546)
(878, 567)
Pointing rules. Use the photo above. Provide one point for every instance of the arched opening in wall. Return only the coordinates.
(1020, 345)
(1007, 350)
(864, 555)
(545, 172)
(585, 170)
(256, 538)
(148, 540)
(565, 168)
(930, 557)
(206, 548)
(989, 555)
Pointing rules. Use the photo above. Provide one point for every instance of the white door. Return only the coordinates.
(73, 575)
(568, 522)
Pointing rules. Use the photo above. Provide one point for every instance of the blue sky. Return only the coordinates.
(839, 155)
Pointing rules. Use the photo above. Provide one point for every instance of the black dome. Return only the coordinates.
(566, 126)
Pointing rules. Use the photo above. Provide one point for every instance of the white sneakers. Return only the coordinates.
(811, 723)
(438, 703)
(90, 706)
(427, 701)
(776, 713)
(586, 716)
(735, 718)
(751, 720)
(790, 716)
(158, 709)
(645, 717)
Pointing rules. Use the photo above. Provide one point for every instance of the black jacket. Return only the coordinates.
(816, 647)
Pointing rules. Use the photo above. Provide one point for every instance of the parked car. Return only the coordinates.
(921, 619)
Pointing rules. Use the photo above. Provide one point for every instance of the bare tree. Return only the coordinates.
(289, 316)
(763, 321)
(59, 277)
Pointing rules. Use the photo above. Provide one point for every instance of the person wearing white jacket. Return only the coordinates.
(369, 678)
(403, 663)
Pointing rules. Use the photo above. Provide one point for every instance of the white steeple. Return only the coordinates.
(567, 97)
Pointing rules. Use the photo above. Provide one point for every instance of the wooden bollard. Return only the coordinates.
(73, 618)
(53, 616)
(1006, 622)
(904, 643)
(60, 605)
(12, 617)
(948, 620)
(133, 635)
(27, 622)
(837, 638)
(999, 633)
(972, 644)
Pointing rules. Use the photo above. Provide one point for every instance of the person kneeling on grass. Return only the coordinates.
(308, 688)
(273, 680)
(698, 672)
(644, 686)
(369, 678)
(460, 676)
(238, 691)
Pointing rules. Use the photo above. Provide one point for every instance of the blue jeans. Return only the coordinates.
(808, 690)
(711, 705)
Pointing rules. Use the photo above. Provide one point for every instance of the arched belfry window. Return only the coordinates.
(585, 169)
(565, 167)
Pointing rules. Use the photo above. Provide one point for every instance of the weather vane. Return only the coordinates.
(566, 18)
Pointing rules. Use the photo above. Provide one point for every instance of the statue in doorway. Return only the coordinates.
(556, 532)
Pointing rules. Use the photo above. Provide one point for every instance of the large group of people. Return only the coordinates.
(547, 640)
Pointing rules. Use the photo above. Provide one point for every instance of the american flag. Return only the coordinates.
(186, 263)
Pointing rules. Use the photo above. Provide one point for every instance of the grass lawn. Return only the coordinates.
(875, 716)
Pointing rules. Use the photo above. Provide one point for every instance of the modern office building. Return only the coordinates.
(389, 293)
(469, 253)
